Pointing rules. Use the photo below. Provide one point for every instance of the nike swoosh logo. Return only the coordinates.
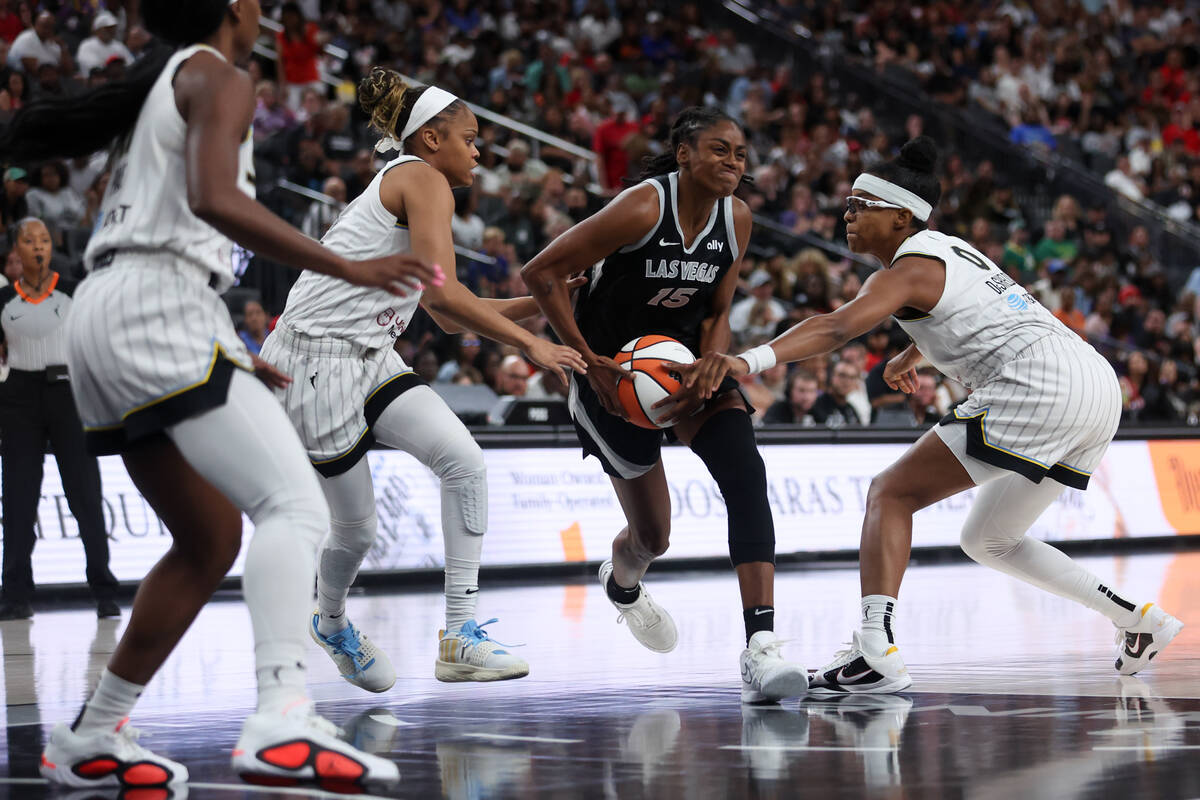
(472, 591)
(746, 676)
(1139, 640)
(764, 611)
(15, 317)
(665, 243)
(842, 677)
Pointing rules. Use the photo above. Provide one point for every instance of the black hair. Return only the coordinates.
(914, 169)
(389, 101)
(69, 127)
(64, 176)
(14, 230)
(690, 123)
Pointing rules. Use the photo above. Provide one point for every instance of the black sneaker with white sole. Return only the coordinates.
(855, 671)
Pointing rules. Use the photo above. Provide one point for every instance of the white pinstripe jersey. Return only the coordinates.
(146, 204)
(983, 320)
(321, 305)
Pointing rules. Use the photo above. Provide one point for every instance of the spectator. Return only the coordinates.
(609, 145)
(1055, 244)
(520, 171)
(466, 350)
(14, 90)
(1068, 314)
(754, 318)
(39, 46)
(466, 225)
(55, 202)
(797, 407)
(96, 50)
(321, 214)
(298, 50)
(918, 411)
(254, 326)
(10, 22)
(1133, 382)
(513, 376)
(832, 408)
(1121, 179)
(270, 115)
(425, 365)
(15, 206)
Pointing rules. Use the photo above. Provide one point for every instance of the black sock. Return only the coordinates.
(619, 594)
(758, 618)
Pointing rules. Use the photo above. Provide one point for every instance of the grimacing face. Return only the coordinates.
(717, 161)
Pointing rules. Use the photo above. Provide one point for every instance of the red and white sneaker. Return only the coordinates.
(112, 759)
(285, 748)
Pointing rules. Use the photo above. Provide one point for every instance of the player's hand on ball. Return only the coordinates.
(604, 374)
(683, 402)
(556, 358)
(269, 374)
(707, 373)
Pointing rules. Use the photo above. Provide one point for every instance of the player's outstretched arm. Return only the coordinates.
(216, 101)
(423, 196)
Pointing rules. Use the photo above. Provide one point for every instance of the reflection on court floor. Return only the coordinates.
(1014, 695)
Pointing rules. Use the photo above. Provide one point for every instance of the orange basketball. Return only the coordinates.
(650, 380)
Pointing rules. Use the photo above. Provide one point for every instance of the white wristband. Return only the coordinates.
(759, 359)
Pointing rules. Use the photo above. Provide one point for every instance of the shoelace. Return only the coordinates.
(476, 636)
(350, 645)
(648, 614)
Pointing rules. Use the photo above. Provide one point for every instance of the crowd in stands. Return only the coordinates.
(608, 76)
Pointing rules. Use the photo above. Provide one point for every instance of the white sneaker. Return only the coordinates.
(283, 748)
(467, 654)
(112, 759)
(766, 677)
(356, 657)
(648, 622)
(856, 671)
(1138, 644)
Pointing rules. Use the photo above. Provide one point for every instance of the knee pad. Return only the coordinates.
(355, 537)
(461, 468)
(725, 443)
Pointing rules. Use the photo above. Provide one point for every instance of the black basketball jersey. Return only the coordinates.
(656, 285)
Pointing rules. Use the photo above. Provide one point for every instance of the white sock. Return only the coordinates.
(112, 702)
(994, 535)
(878, 611)
(352, 530)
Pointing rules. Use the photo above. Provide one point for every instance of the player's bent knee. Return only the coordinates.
(649, 540)
(356, 536)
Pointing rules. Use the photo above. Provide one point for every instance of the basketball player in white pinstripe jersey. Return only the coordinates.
(160, 376)
(353, 389)
(1043, 408)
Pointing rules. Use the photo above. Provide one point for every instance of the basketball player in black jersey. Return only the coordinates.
(667, 253)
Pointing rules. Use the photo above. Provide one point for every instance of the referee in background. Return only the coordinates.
(35, 407)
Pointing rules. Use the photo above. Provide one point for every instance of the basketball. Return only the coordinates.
(646, 358)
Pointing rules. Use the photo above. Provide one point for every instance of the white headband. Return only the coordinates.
(431, 103)
(886, 190)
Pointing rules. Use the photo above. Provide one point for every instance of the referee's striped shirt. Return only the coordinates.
(34, 326)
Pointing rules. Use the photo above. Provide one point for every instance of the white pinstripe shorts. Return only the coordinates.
(1051, 414)
(149, 344)
(338, 390)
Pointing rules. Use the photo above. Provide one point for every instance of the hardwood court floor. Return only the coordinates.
(1015, 695)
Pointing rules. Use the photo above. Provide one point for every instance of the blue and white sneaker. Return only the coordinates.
(356, 657)
(467, 654)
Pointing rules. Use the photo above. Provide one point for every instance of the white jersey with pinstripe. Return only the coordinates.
(146, 208)
(1043, 401)
(149, 340)
(337, 339)
(321, 305)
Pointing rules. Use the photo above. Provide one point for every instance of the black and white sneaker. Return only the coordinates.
(1137, 645)
(853, 670)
